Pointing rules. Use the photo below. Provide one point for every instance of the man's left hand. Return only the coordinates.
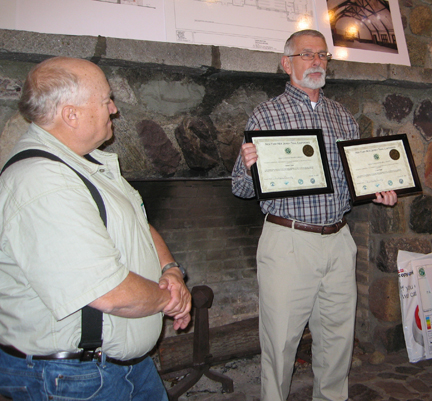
(388, 198)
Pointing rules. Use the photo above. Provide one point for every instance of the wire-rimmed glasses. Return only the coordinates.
(308, 56)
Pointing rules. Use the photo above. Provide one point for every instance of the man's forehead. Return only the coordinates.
(307, 42)
(108, 94)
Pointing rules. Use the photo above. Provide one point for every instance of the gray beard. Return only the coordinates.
(308, 82)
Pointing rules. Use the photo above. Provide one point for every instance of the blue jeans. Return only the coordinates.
(72, 380)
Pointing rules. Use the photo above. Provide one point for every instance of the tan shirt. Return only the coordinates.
(56, 255)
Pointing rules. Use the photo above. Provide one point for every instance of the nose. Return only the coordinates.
(112, 107)
(316, 59)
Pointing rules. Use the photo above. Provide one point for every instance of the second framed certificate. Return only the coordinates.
(378, 164)
(290, 163)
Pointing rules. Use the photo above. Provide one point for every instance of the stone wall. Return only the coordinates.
(214, 235)
(183, 109)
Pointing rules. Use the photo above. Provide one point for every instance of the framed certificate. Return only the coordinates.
(379, 164)
(290, 163)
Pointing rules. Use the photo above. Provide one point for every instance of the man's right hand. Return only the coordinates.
(180, 303)
(249, 155)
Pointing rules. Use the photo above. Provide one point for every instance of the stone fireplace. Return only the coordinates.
(183, 109)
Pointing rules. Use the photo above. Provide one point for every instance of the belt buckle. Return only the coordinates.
(89, 355)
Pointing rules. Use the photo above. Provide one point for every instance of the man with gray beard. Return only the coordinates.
(306, 254)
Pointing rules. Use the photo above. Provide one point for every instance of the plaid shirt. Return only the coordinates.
(293, 110)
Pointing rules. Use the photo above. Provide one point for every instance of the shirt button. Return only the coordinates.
(102, 170)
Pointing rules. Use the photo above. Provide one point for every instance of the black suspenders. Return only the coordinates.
(91, 329)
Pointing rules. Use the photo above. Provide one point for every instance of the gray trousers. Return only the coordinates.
(306, 277)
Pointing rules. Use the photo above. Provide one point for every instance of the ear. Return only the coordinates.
(286, 64)
(70, 116)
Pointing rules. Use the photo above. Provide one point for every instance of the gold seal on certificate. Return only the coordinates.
(290, 163)
(378, 164)
(394, 154)
(308, 150)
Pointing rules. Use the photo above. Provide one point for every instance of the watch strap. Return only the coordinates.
(174, 264)
(168, 266)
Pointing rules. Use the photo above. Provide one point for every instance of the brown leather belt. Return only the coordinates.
(298, 225)
(82, 355)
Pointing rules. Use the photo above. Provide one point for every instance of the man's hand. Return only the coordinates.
(249, 155)
(181, 322)
(388, 198)
(180, 303)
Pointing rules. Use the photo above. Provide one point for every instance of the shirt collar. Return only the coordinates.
(38, 138)
(299, 95)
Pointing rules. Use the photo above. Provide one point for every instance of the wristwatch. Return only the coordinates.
(175, 264)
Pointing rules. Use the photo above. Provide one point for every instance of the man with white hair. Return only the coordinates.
(74, 235)
(306, 255)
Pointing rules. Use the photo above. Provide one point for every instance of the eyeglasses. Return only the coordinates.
(308, 56)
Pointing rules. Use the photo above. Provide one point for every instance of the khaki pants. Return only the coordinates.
(306, 277)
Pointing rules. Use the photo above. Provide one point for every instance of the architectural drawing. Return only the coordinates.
(142, 3)
(253, 24)
(294, 9)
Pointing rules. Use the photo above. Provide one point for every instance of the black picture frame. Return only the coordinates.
(315, 150)
(362, 183)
